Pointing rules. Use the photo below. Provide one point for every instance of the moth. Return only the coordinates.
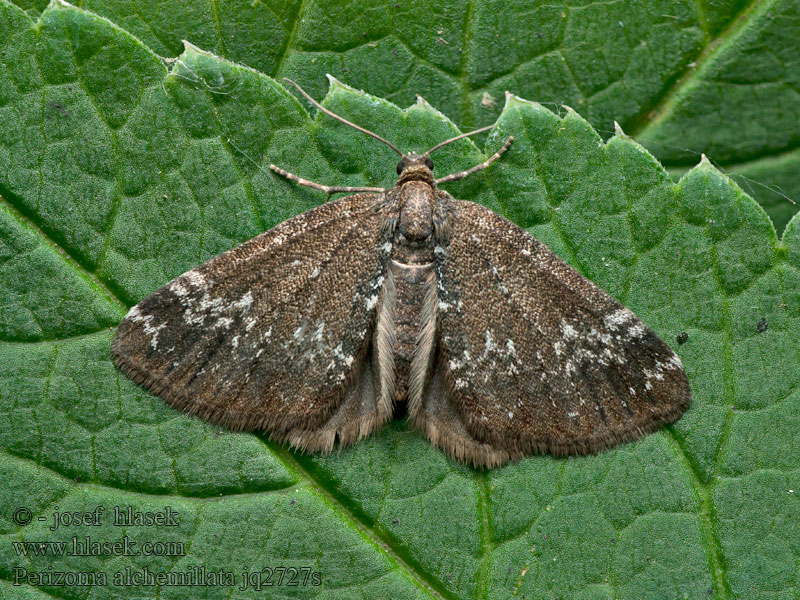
(316, 330)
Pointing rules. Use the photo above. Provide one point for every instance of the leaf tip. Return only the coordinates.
(335, 85)
(705, 163)
(424, 103)
(189, 49)
(187, 45)
(512, 99)
(333, 82)
(516, 106)
(618, 130)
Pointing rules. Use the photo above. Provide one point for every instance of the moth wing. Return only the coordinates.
(538, 358)
(435, 414)
(274, 333)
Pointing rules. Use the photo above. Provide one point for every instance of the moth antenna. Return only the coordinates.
(343, 120)
(476, 168)
(455, 139)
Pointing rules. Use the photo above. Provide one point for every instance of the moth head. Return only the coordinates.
(415, 166)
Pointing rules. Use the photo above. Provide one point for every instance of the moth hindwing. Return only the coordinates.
(315, 330)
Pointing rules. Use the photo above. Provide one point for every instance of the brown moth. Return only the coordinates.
(314, 330)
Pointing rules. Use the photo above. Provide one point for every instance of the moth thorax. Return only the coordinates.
(416, 212)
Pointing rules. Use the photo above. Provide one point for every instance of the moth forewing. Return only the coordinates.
(540, 358)
(272, 334)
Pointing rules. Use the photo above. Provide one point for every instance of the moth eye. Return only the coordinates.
(429, 163)
(400, 167)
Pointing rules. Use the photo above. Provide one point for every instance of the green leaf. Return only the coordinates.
(122, 170)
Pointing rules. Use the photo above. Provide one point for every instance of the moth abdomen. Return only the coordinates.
(412, 282)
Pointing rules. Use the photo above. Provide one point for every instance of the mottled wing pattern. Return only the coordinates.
(273, 333)
(536, 357)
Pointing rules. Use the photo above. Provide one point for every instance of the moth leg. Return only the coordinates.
(355, 418)
(476, 168)
(438, 418)
(328, 189)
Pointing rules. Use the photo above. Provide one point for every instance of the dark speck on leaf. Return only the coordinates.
(683, 337)
(761, 326)
(396, 521)
(292, 501)
(52, 108)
